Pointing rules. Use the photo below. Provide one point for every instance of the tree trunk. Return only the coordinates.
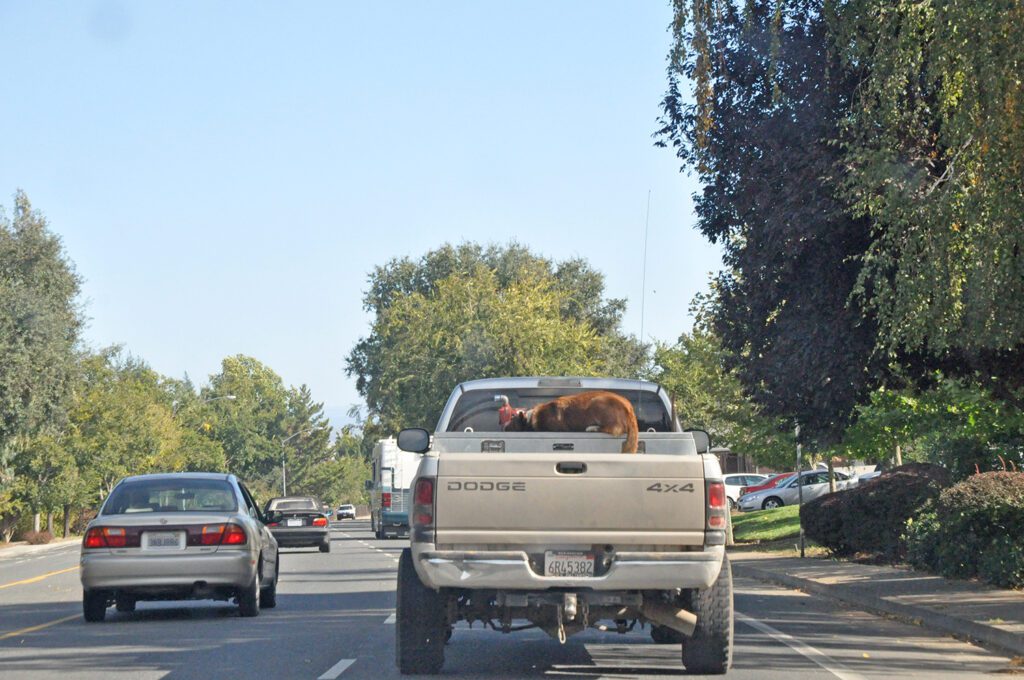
(831, 475)
(35, 522)
(49, 522)
(67, 521)
(899, 456)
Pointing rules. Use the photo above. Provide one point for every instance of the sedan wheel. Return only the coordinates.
(249, 597)
(772, 503)
(94, 605)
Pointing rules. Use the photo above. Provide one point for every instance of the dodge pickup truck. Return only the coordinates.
(561, 530)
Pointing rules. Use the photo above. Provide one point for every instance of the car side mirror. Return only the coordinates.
(414, 439)
(368, 485)
(702, 440)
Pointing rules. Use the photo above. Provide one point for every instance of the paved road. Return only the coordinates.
(334, 619)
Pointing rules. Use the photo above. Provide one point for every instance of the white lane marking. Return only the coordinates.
(390, 619)
(815, 655)
(337, 669)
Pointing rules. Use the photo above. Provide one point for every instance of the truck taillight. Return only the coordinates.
(319, 521)
(105, 537)
(423, 506)
(385, 499)
(718, 505)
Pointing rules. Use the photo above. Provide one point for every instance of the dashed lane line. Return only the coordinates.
(390, 620)
(337, 669)
(815, 655)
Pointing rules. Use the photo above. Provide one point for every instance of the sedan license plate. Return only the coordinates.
(294, 523)
(568, 564)
(163, 540)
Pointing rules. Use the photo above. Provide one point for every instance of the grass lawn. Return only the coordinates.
(766, 525)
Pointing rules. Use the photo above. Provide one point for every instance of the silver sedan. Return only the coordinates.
(815, 484)
(181, 536)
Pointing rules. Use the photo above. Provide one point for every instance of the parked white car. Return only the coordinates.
(736, 483)
(815, 484)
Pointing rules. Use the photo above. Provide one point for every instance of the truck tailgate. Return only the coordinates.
(570, 499)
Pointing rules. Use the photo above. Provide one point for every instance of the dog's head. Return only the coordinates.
(520, 423)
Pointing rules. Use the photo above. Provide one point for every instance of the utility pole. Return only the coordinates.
(800, 484)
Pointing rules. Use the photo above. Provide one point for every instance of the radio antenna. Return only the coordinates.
(643, 276)
(643, 300)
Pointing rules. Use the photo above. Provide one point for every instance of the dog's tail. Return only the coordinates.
(632, 435)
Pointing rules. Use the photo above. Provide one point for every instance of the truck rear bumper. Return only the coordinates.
(511, 570)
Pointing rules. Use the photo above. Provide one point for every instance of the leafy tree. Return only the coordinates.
(251, 426)
(467, 312)
(952, 422)
(39, 326)
(934, 140)
(122, 423)
(768, 98)
(709, 395)
(309, 446)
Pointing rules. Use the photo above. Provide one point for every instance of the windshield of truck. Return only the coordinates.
(477, 410)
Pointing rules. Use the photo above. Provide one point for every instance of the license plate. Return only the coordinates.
(568, 564)
(293, 523)
(163, 540)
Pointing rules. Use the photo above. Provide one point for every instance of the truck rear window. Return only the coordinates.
(477, 410)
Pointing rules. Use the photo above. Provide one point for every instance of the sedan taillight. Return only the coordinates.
(319, 521)
(105, 537)
(223, 534)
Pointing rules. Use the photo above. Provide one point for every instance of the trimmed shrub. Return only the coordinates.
(824, 522)
(977, 531)
(37, 537)
(871, 517)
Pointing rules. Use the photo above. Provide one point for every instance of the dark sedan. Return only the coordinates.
(298, 521)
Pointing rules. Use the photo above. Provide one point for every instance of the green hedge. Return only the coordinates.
(871, 517)
(973, 529)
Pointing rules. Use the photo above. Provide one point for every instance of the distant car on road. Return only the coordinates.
(181, 536)
(298, 521)
(735, 484)
(815, 483)
(346, 511)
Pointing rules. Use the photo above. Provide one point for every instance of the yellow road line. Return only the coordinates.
(35, 579)
(32, 629)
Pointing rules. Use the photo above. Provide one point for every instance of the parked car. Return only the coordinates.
(736, 484)
(769, 483)
(181, 536)
(346, 511)
(815, 483)
(298, 521)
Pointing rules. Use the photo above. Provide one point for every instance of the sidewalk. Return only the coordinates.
(965, 609)
(20, 548)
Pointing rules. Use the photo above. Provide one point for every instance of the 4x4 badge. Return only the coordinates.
(658, 487)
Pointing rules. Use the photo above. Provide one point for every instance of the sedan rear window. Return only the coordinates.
(294, 504)
(171, 495)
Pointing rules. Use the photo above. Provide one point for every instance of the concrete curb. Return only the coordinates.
(23, 549)
(1002, 640)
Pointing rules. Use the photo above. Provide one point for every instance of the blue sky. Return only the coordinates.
(225, 175)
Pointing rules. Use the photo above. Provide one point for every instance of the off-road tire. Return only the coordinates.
(326, 546)
(772, 502)
(709, 651)
(94, 605)
(124, 603)
(421, 626)
(268, 594)
(249, 597)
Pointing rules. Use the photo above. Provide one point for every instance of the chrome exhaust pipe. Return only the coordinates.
(669, 616)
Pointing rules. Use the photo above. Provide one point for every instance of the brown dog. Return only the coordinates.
(597, 411)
